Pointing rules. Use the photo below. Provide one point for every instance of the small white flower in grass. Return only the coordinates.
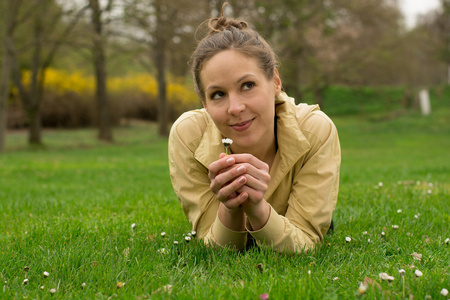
(227, 143)
(447, 241)
(429, 192)
(163, 234)
(42, 287)
(444, 292)
(395, 226)
(348, 239)
(418, 273)
(162, 250)
(369, 241)
(430, 184)
(399, 211)
(187, 239)
(364, 232)
(362, 288)
(120, 285)
(401, 272)
(383, 276)
(380, 184)
(52, 291)
(83, 285)
(175, 243)
(25, 281)
(383, 234)
(390, 278)
(46, 274)
(133, 226)
(194, 233)
(189, 234)
(309, 272)
(335, 278)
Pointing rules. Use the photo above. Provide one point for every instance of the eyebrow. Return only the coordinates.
(213, 87)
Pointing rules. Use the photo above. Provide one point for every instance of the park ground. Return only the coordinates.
(102, 220)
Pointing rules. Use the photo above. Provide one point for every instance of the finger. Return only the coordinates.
(254, 196)
(226, 177)
(224, 193)
(223, 162)
(250, 159)
(236, 202)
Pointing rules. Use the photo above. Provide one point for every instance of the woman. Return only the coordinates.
(279, 184)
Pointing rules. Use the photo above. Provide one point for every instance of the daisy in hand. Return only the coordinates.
(227, 143)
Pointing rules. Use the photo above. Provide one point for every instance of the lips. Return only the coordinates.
(242, 126)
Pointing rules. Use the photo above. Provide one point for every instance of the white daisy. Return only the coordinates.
(227, 143)
(348, 239)
(46, 274)
(444, 292)
(418, 273)
(362, 288)
(401, 272)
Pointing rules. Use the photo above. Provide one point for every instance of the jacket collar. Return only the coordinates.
(292, 144)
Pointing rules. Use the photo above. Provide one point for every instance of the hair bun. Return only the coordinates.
(222, 23)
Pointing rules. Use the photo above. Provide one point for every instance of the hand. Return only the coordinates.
(226, 178)
(239, 179)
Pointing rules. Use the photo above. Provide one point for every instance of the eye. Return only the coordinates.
(248, 85)
(217, 95)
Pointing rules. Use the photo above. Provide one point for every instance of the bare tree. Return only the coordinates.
(160, 26)
(11, 14)
(99, 60)
(44, 15)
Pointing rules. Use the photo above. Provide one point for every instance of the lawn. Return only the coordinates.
(68, 209)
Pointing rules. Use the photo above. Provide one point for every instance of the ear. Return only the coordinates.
(204, 104)
(276, 81)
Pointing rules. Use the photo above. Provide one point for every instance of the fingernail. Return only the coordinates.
(244, 196)
(230, 161)
(241, 169)
(241, 180)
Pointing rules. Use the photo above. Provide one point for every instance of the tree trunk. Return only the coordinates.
(34, 133)
(104, 120)
(4, 89)
(161, 71)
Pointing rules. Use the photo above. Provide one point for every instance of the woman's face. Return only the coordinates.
(240, 99)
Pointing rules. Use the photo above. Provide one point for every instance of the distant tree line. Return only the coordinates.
(353, 43)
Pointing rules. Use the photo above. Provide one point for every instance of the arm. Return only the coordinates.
(311, 193)
(192, 186)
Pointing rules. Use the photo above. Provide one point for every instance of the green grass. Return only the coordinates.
(67, 208)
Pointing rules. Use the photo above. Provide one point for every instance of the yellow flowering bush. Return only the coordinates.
(69, 97)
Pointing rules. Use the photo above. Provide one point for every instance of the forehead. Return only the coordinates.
(227, 65)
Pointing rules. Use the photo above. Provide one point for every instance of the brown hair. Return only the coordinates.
(231, 34)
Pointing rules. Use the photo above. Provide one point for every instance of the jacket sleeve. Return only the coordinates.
(313, 195)
(191, 184)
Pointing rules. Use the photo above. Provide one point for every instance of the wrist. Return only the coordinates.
(258, 215)
(232, 218)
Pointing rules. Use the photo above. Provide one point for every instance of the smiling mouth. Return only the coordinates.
(242, 126)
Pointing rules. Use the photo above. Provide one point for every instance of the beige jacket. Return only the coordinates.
(304, 183)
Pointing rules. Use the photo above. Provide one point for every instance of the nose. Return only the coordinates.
(235, 105)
